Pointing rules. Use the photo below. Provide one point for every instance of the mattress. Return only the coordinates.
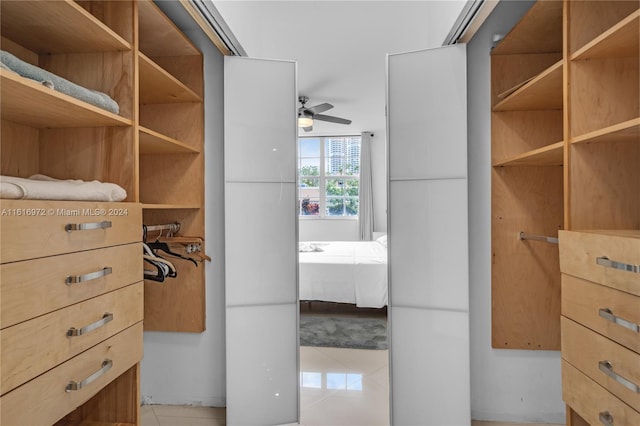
(344, 272)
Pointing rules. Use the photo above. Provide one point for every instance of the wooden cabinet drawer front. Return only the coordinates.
(31, 229)
(580, 253)
(609, 364)
(590, 400)
(36, 287)
(610, 312)
(33, 347)
(44, 400)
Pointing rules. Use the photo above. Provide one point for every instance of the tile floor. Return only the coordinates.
(339, 387)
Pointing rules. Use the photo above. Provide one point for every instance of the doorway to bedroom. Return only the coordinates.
(344, 360)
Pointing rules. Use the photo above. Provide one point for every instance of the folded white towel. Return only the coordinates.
(41, 187)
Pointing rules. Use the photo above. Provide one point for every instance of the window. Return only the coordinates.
(329, 176)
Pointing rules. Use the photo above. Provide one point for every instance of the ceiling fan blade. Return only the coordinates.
(307, 129)
(317, 109)
(331, 119)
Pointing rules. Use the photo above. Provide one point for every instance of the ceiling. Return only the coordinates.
(340, 47)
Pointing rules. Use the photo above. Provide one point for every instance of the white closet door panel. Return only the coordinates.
(429, 236)
(263, 224)
(256, 116)
(428, 241)
(261, 242)
(428, 132)
(270, 399)
(433, 367)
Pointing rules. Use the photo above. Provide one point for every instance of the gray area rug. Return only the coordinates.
(343, 332)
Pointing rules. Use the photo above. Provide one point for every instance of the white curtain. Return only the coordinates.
(366, 191)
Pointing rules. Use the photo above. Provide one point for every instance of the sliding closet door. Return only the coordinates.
(428, 242)
(261, 241)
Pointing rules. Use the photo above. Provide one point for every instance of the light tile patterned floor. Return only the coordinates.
(340, 387)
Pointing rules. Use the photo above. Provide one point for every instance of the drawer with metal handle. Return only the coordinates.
(39, 286)
(612, 313)
(47, 228)
(610, 258)
(594, 403)
(611, 365)
(50, 396)
(32, 347)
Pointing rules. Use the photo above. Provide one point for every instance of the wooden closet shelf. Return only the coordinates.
(68, 27)
(539, 31)
(542, 92)
(551, 155)
(152, 142)
(157, 86)
(628, 131)
(150, 206)
(28, 102)
(621, 40)
(159, 36)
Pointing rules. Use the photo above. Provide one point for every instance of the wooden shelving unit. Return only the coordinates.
(588, 184)
(172, 161)
(153, 148)
(527, 179)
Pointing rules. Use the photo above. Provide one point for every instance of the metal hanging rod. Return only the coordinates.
(171, 227)
(525, 236)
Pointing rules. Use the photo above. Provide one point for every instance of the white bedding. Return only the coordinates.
(345, 272)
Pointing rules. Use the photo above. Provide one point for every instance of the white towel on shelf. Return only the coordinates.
(41, 187)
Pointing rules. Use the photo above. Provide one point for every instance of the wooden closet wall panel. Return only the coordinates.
(171, 179)
(178, 304)
(589, 19)
(606, 185)
(525, 131)
(612, 84)
(117, 15)
(20, 147)
(107, 72)
(100, 153)
(525, 274)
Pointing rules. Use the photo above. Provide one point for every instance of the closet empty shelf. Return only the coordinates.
(152, 142)
(542, 92)
(627, 131)
(69, 28)
(621, 40)
(157, 86)
(550, 155)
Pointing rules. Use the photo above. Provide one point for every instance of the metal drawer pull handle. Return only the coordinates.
(106, 366)
(607, 314)
(87, 226)
(87, 328)
(607, 368)
(74, 279)
(607, 263)
(606, 418)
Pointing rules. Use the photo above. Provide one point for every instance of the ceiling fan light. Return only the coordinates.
(305, 121)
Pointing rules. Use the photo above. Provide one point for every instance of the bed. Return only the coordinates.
(352, 272)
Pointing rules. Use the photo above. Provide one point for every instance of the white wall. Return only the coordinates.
(506, 385)
(184, 368)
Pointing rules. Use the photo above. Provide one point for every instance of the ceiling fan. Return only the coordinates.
(306, 115)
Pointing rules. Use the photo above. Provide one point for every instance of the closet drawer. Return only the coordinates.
(36, 287)
(592, 402)
(610, 258)
(612, 313)
(31, 229)
(33, 347)
(45, 399)
(611, 365)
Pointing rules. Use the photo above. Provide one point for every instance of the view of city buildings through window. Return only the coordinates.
(329, 176)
